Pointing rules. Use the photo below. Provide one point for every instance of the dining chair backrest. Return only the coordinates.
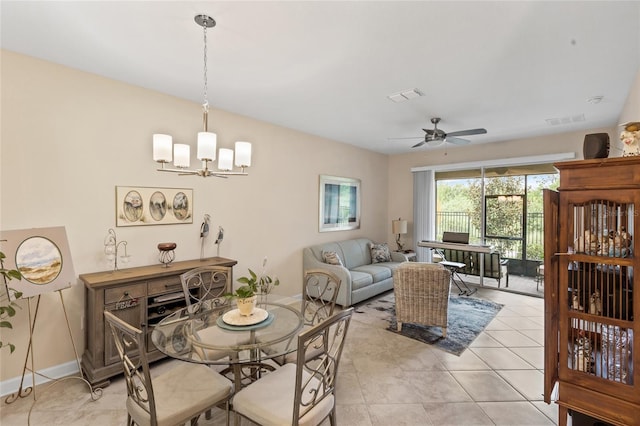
(316, 377)
(319, 294)
(204, 287)
(181, 394)
(129, 342)
(301, 393)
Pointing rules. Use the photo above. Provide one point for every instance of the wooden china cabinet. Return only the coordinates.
(592, 339)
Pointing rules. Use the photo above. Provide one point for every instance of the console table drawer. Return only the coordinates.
(113, 295)
(164, 285)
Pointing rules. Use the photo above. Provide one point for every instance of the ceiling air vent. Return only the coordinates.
(565, 120)
(405, 95)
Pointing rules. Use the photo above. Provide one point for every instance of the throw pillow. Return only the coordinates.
(380, 253)
(331, 257)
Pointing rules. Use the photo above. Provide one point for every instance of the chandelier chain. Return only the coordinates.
(206, 100)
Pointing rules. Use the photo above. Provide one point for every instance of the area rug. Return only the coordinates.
(468, 316)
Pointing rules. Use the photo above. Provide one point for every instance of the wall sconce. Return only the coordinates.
(111, 246)
(399, 227)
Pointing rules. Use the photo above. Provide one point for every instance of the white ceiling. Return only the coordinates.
(327, 67)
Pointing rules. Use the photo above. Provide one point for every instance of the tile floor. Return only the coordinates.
(384, 379)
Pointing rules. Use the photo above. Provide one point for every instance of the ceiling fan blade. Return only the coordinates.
(468, 132)
(457, 141)
(418, 144)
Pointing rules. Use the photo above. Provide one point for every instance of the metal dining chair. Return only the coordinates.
(205, 287)
(319, 294)
(177, 396)
(304, 392)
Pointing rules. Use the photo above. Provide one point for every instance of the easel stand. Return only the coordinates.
(29, 367)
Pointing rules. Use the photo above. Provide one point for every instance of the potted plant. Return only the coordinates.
(247, 294)
(7, 307)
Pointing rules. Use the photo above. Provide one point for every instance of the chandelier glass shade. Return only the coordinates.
(165, 151)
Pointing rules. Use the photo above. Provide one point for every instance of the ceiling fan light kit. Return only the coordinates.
(435, 136)
(165, 151)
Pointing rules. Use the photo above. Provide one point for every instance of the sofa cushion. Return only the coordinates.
(379, 273)
(331, 257)
(360, 279)
(355, 252)
(380, 253)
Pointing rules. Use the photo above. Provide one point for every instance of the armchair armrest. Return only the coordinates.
(397, 256)
(310, 261)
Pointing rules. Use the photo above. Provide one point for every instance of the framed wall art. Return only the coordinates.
(153, 206)
(43, 257)
(339, 203)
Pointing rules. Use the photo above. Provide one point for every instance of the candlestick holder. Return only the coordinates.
(111, 247)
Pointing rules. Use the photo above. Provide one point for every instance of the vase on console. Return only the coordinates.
(167, 254)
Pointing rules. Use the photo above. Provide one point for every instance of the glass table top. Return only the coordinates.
(205, 336)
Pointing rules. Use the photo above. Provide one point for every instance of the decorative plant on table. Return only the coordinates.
(253, 285)
(8, 310)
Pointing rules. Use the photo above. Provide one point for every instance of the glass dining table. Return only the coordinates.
(218, 335)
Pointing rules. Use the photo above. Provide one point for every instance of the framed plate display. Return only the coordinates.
(153, 206)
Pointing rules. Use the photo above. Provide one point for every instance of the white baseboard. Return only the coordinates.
(10, 386)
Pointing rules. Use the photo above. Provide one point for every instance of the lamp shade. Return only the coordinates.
(243, 154)
(162, 147)
(225, 162)
(399, 226)
(181, 155)
(207, 146)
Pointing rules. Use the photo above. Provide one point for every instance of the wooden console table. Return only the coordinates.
(141, 296)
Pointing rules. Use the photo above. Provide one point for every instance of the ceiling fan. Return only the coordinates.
(435, 136)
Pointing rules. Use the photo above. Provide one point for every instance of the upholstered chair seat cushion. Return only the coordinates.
(269, 401)
(181, 392)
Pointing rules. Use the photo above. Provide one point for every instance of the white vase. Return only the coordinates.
(246, 305)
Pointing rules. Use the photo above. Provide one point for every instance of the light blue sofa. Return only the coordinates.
(361, 279)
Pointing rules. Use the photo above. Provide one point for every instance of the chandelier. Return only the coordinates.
(165, 151)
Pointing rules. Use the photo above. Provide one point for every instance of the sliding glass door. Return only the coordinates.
(499, 206)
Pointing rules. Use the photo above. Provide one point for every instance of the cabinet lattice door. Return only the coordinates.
(590, 248)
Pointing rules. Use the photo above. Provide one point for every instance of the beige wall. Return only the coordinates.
(631, 111)
(69, 138)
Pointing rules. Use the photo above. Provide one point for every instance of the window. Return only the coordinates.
(500, 206)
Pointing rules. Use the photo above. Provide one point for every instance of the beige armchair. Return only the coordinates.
(422, 294)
